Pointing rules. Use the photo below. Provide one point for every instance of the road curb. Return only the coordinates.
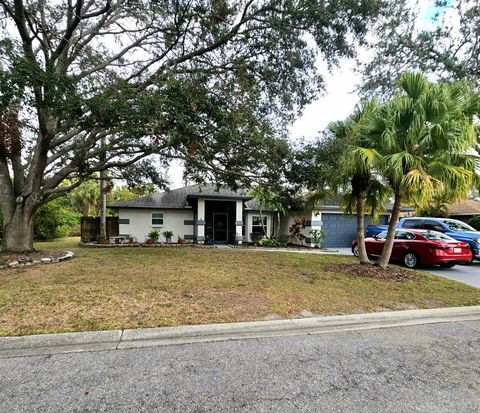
(148, 337)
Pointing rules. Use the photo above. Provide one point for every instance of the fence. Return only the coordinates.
(90, 228)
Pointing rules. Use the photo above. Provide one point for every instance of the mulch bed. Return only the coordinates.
(372, 271)
(7, 257)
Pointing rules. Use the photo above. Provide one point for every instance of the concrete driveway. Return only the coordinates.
(468, 274)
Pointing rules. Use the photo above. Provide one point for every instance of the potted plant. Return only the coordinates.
(168, 235)
(181, 240)
(318, 235)
(153, 235)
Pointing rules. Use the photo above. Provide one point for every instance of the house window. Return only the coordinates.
(157, 218)
(257, 226)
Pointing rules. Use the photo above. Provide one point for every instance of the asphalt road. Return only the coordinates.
(423, 368)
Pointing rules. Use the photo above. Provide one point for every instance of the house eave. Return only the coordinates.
(220, 197)
(186, 208)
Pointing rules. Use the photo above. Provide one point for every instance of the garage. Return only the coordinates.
(341, 229)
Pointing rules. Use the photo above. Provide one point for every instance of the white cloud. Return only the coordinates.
(175, 174)
(337, 103)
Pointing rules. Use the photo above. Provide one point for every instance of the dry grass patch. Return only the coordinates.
(140, 287)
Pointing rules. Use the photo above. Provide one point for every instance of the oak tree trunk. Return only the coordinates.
(18, 230)
(362, 251)
(388, 246)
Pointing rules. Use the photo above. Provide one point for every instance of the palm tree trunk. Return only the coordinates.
(103, 195)
(362, 251)
(387, 248)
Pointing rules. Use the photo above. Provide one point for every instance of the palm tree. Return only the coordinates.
(366, 193)
(424, 135)
(355, 174)
(371, 202)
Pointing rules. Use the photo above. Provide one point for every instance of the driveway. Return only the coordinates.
(468, 274)
(422, 368)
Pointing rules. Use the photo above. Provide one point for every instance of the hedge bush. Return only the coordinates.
(475, 222)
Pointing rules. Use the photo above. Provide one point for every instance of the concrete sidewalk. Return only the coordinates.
(135, 338)
(294, 250)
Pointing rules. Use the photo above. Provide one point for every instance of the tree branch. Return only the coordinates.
(7, 195)
(73, 18)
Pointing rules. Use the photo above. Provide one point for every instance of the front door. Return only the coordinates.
(220, 227)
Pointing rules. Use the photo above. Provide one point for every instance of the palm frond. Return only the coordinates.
(348, 203)
(414, 84)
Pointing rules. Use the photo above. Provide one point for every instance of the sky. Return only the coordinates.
(337, 102)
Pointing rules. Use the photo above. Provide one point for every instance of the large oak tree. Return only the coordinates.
(445, 44)
(88, 86)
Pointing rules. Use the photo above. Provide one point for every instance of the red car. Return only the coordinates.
(416, 247)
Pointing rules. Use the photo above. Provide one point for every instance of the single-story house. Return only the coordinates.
(221, 215)
(195, 212)
(464, 210)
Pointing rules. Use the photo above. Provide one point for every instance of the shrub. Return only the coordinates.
(256, 237)
(475, 222)
(284, 238)
(272, 243)
(318, 236)
(154, 235)
(50, 222)
(296, 230)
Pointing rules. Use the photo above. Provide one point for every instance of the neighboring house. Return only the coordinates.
(464, 210)
(221, 215)
(196, 213)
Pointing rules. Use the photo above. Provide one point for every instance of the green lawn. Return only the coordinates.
(140, 287)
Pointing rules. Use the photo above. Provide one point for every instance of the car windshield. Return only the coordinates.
(381, 235)
(436, 236)
(454, 225)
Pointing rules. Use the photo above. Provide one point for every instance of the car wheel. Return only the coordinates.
(355, 250)
(411, 260)
(447, 264)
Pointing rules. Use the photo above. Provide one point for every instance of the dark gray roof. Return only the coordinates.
(333, 202)
(254, 205)
(178, 198)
